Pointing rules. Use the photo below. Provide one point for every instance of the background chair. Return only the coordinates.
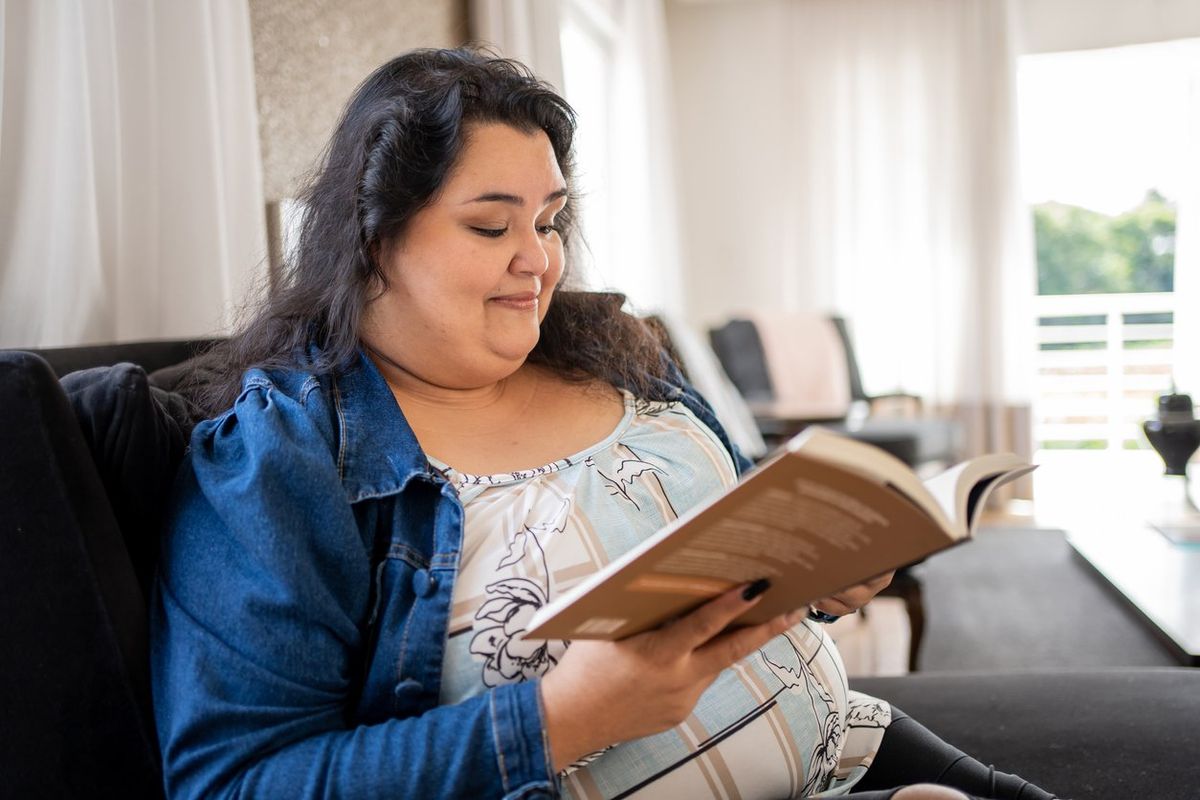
(703, 370)
(797, 370)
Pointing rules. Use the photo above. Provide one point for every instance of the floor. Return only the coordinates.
(1072, 489)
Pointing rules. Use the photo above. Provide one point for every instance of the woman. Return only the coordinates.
(418, 441)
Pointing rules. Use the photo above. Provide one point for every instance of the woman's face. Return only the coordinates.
(471, 278)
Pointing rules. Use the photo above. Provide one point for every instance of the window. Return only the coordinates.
(588, 44)
(1104, 135)
(1107, 141)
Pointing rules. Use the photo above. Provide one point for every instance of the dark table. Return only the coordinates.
(1158, 578)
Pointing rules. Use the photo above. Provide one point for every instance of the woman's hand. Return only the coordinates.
(855, 597)
(602, 693)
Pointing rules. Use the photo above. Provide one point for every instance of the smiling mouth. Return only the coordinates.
(525, 301)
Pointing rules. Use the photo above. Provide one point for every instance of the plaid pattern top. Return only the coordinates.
(780, 723)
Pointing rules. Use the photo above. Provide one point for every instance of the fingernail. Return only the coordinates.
(755, 589)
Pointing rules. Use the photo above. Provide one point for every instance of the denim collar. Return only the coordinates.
(378, 453)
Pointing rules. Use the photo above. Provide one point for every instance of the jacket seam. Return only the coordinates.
(496, 743)
(402, 649)
(341, 421)
(409, 555)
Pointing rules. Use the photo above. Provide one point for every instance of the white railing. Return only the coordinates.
(1102, 361)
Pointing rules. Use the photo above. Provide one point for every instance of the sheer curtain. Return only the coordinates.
(527, 30)
(627, 148)
(130, 173)
(1187, 257)
(859, 156)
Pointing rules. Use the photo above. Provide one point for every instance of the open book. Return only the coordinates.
(825, 512)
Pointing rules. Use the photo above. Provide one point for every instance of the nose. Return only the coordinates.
(532, 256)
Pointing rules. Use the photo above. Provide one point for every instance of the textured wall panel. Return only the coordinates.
(310, 54)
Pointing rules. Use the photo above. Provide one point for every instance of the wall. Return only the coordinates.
(1058, 25)
(732, 183)
(310, 54)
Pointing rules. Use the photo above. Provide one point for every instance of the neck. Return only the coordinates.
(417, 394)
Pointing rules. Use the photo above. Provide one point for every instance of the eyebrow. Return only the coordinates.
(512, 199)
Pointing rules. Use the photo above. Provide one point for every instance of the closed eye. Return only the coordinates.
(491, 233)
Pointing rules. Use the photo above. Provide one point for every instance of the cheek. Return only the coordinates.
(555, 270)
(437, 287)
(550, 281)
(415, 304)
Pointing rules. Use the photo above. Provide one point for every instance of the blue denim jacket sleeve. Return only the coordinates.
(258, 625)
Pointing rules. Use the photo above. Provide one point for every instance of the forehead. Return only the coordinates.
(497, 157)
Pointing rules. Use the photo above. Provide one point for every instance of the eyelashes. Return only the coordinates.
(496, 233)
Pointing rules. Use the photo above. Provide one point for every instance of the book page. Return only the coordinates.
(953, 489)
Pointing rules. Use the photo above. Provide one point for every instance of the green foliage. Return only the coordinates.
(1074, 444)
(1084, 252)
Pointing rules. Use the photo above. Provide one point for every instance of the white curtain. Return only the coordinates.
(1187, 255)
(644, 247)
(859, 156)
(130, 173)
(527, 30)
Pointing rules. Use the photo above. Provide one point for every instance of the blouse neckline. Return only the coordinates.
(460, 478)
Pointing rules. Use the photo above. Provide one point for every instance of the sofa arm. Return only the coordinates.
(73, 668)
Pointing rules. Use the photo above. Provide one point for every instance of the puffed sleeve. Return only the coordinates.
(258, 626)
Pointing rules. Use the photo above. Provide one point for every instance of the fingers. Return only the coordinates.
(869, 588)
(844, 602)
(881, 582)
(855, 597)
(834, 606)
(710, 619)
(737, 644)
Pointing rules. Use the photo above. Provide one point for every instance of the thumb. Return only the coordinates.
(700, 626)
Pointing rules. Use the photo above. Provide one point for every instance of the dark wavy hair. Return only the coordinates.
(397, 141)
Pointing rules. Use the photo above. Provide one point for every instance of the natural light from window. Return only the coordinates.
(587, 44)
(1100, 127)
(1106, 136)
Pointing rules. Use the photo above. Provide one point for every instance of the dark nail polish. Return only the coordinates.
(755, 589)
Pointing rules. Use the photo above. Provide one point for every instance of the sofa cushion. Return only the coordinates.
(137, 435)
(1081, 734)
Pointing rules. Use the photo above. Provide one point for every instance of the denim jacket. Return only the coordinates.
(302, 602)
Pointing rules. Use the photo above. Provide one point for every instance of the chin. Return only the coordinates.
(516, 347)
(510, 362)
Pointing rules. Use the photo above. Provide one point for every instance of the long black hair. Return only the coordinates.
(397, 141)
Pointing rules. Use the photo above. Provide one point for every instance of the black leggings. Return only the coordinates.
(910, 753)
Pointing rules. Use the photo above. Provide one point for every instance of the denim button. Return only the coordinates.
(423, 583)
(407, 688)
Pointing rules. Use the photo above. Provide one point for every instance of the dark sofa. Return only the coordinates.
(73, 680)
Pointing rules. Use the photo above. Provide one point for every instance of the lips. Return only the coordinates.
(521, 301)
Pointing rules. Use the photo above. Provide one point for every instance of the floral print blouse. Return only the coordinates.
(780, 723)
